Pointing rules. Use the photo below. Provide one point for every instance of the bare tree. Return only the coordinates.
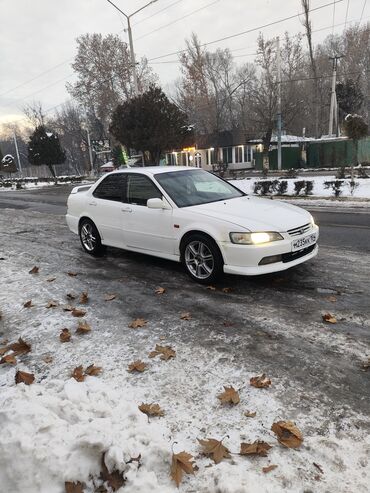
(35, 113)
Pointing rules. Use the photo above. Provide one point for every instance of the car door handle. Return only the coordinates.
(92, 203)
(126, 209)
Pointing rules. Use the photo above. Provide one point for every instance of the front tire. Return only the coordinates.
(90, 238)
(202, 259)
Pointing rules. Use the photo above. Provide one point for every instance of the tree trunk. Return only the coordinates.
(52, 171)
(266, 147)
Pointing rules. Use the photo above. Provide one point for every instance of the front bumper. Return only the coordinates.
(245, 259)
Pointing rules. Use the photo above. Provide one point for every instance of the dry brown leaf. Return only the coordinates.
(71, 487)
(52, 304)
(20, 347)
(211, 288)
(256, 448)
(250, 414)
(332, 299)
(28, 304)
(214, 449)
(50, 279)
(8, 359)
(24, 377)
(166, 352)
(34, 270)
(72, 274)
(287, 434)
(160, 290)
(114, 479)
(84, 298)
(65, 335)
(71, 296)
(185, 316)
(47, 359)
(269, 468)
(366, 365)
(83, 327)
(93, 370)
(181, 462)
(260, 382)
(110, 297)
(151, 409)
(226, 290)
(229, 396)
(138, 322)
(137, 365)
(329, 318)
(68, 308)
(77, 312)
(78, 374)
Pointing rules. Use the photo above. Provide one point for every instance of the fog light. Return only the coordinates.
(270, 260)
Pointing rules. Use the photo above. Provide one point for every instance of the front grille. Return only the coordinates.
(289, 257)
(300, 230)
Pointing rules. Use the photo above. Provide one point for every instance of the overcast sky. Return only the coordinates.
(39, 36)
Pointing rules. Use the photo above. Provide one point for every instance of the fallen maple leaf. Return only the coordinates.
(83, 327)
(260, 382)
(20, 347)
(28, 304)
(65, 335)
(211, 288)
(52, 304)
(115, 479)
(84, 298)
(93, 370)
(181, 462)
(160, 290)
(50, 279)
(78, 374)
(230, 395)
(71, 487)
(151, 409)
(185, 316)
(77, 312)
(71, 296)
(34, 270)
(137, 365)
(226, 290)
(72, 274)
(138, 322)
(214, 449)
(327, 317)
(24, 377)
(287, 434)
(256, 448)
(109, 297)
(250, 414)
(269, 468)
(9, 359)
(166, 352)
(332, 299)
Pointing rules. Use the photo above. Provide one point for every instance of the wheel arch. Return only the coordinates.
(192, 232)
(85, 216)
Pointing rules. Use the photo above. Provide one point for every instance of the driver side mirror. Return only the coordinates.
(157, 204)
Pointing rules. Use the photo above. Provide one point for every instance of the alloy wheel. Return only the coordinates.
(199, 259)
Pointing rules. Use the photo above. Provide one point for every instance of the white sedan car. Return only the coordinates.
(191, 216)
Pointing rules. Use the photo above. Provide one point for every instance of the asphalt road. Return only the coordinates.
(344, 228)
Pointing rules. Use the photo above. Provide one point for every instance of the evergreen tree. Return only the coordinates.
(44, 148)
(1, 155)
(150, 123)
(356, 128)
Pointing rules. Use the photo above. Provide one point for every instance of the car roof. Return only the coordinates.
(154, 170)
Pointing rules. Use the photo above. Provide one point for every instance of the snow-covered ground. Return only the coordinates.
(57, 429)
(319, 190)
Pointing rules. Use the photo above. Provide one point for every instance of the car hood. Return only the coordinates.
(255, 214)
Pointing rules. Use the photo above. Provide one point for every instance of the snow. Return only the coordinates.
(57, 429)
(49, 134)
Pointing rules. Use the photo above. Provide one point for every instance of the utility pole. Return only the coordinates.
(132, 52)
(278, 56)
(17, 151)
(333, 99)
(90, 153)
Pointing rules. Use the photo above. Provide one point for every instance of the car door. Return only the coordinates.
(105, 209)
(149, 230)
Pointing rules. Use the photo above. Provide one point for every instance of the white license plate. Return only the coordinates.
(305, 242)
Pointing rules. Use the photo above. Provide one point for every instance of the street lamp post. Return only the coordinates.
(132, 53)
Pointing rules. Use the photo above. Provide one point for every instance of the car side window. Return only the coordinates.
(140, 188)
(111, 188)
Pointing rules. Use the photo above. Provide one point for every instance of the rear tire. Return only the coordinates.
(202, 259)
(90, 238)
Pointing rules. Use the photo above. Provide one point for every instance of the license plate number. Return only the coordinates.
(304, 242)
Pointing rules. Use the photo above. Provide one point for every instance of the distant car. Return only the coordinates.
(191, 216)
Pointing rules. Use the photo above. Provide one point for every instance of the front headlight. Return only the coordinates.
(312, 221)
(254, 238)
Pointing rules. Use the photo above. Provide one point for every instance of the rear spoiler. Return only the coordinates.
(82, 188)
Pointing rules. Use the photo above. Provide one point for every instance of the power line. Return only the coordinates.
(156, 13)
(247, 31)
(177, 20)
(345, 22)
(363, 8)
(332, 29)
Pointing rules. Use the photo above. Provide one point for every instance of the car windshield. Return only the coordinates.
(195, 187)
